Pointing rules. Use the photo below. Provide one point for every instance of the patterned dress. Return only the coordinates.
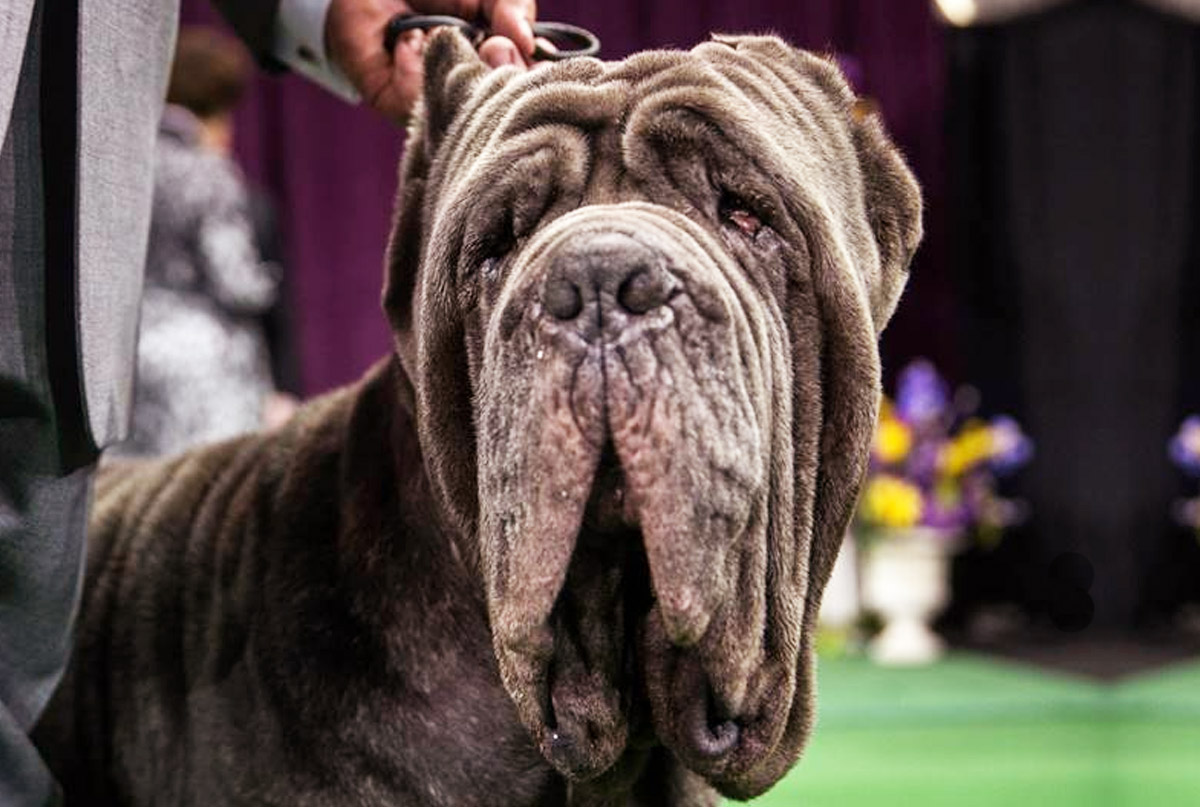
(203, 371)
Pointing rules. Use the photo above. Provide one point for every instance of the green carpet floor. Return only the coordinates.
(975, 732)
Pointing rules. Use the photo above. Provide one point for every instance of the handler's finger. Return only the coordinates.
(396, 96)
(499, 51)
(408, 55)
(513, 19)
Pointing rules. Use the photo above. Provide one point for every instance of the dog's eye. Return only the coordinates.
(738, 212)
(490, 265)
(491, 252)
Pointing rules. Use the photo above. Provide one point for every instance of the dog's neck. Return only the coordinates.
(394, 532)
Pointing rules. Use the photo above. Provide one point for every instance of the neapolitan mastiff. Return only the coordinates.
(566, 545)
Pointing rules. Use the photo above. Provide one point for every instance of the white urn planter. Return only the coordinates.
(841, 603)
(906, 581)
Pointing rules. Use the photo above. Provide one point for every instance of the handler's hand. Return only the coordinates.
(391, 82)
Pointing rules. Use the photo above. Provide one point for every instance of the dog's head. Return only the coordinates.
(639, 303)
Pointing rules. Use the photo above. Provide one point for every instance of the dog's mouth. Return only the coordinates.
(612, 656)
(609, 511)
(596, 703)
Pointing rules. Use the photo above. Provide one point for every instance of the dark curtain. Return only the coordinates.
(332, 168)
(1073, 140)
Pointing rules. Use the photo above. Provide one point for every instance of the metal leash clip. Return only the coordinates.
(571, 40)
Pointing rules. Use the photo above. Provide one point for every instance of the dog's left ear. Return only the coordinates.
(893, 202)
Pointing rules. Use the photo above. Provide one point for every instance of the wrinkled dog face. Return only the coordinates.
(639, 302)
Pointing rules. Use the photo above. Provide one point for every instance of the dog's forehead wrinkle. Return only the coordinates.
(777, 86)
(573, 92)
(535, 174)
(584, 106)
(472, 125)
(590, 104)
(754, 155)
(804, 147)
(606, 175)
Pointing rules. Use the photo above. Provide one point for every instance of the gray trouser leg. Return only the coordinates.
(41, 557)
(24, 780)
(42, 513)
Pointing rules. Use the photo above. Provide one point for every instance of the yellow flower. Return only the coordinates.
(972, 446)
(893, 439)
(891, 502)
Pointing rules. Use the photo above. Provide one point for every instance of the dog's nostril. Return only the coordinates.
(717, 740)
(642, 292)
(562, 299)
(713, 733)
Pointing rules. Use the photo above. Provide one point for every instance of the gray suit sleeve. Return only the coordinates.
(289, 34)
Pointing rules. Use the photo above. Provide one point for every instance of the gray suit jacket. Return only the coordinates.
(102, 95)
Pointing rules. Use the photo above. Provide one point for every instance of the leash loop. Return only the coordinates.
(574, 41)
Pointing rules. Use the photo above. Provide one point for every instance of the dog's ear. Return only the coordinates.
(418, 300)
(890, 193)
(452, 68)
(893, 202)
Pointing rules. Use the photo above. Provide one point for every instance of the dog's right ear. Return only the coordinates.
(426, 325)
(452, 68)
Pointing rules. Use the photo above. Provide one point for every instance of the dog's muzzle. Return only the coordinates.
(624, 474)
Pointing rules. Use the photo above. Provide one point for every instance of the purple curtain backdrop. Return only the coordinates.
(332, 167)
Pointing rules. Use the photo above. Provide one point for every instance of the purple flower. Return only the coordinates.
(921, 394)
(946, 516)
(951, 457)
(1011, 448)
(1184, 447)
(923, 462)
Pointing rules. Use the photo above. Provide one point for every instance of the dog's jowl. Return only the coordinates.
(566, 544)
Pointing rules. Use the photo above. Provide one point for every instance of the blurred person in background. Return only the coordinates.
(82, 84)
(278, 322)
(203, 366)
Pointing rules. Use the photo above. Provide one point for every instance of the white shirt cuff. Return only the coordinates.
(300, 44)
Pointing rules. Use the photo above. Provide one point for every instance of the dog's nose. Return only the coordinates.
(598, 283)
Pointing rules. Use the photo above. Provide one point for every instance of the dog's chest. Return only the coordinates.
(463, 742)
(424, 720)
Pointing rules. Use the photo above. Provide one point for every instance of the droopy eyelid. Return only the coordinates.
(731, 203)
(504, 225)
(495, 239)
